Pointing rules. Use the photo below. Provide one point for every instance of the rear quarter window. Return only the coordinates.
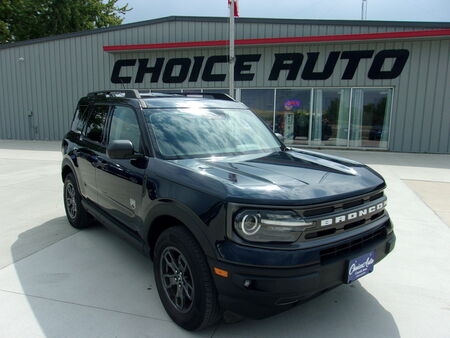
(80, 118)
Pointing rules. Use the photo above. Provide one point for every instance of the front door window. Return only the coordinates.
(124, 126)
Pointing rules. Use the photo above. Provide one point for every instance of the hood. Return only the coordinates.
(292, 177)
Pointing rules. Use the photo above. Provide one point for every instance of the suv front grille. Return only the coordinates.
(355, 244)
(342, 216)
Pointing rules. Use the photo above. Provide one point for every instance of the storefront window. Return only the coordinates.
(329, 120)
(330, 117)
(293, 114)
(370, 117)
(260, 101)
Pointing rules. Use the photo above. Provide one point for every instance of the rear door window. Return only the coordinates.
(96, 124)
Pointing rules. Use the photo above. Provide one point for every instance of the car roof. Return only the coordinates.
(149, 99)
(189, 102)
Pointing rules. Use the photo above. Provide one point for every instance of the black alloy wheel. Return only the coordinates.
(176, 278)
(71, 203)
(76, 214)
(184, 280)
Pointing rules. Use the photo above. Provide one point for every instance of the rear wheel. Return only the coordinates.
(184, 281)
(76, 214)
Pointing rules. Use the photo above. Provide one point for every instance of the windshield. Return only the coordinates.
(204, 132)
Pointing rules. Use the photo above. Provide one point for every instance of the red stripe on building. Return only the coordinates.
(271, 41)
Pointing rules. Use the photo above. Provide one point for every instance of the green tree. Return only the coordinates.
(30, 19)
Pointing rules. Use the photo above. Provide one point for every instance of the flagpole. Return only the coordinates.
(231, 60)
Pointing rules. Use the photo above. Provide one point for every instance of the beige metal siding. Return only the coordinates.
(56, 73)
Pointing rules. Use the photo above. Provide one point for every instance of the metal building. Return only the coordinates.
(321, 83)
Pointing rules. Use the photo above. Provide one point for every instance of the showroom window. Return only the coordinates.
(261, 102)
(340, 117)
(292, 115)
(326, 117)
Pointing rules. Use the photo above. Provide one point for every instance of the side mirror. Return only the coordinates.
(280, 137)
(120, 150)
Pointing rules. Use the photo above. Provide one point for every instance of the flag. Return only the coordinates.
(236, 11)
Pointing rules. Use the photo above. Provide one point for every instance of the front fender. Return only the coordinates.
(186, 216)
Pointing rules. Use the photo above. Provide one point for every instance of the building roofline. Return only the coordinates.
(286, 40)
(369, 23)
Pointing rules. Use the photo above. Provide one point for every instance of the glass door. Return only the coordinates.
(370, 115)
(330, 117)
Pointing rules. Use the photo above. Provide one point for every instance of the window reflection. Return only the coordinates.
(124, 126)
(322, 116)
(292, 114)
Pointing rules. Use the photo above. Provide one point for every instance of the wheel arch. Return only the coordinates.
(170, 214)
(66, 169)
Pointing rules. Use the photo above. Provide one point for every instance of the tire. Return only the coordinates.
(176, 249)
(76, 214)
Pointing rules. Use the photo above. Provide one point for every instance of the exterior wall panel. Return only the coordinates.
(54, 74)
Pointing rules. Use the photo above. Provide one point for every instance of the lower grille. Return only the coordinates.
(355, 244)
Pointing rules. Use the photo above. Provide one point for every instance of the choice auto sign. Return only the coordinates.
(288, 66)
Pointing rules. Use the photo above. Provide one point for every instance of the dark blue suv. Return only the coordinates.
(233, 219)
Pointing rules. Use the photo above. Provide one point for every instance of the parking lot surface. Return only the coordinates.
(56, 281)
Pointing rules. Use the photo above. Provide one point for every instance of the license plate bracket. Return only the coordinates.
(360, 266)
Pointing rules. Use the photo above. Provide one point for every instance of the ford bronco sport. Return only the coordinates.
(233, 219)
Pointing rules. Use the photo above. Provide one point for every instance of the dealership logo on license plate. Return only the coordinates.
(360, 266)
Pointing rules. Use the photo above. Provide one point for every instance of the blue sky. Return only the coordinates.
(402, 10)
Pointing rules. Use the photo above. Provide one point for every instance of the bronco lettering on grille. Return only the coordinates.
(353, 215)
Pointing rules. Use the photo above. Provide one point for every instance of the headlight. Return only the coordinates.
(269, 225)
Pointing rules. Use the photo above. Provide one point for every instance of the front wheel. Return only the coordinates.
(184, 281)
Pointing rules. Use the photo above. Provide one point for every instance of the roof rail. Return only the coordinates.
(206, 95)
(130, 93)
(143, 93)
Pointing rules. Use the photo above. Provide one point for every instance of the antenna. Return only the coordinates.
(121, 81)
(364, 10)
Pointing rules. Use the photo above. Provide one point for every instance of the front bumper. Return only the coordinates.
(258, 291)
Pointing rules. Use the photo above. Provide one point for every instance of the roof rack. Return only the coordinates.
(130, 93)
(146, 93)
(206, 95)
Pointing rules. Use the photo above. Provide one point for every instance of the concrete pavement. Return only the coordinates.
(59, 282)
